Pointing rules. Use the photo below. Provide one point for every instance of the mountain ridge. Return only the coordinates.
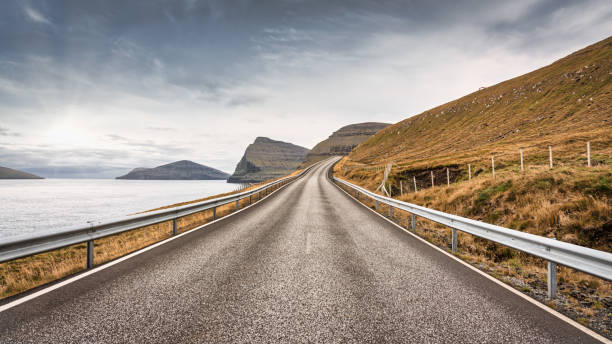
(343, 141)
(267, 159)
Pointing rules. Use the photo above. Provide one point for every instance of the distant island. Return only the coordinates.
(179, 170)
(9, 173)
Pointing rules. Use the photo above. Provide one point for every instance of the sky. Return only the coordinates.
(96, 88)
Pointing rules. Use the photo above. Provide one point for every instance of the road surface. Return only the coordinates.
(306, 265)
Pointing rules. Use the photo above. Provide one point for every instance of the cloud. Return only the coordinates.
(36, 16)
(200, 80)
(6, 132)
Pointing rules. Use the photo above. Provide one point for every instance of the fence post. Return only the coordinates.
(493, 166)
(432, 179)
(589, 154)
(174, 227)
(522, 165)
(550, 156)
(552, 280)
(90, 254)
(469, 172)
(415, 187)
(401, 189)
(447, 177)
(454, 240)
(413, 222)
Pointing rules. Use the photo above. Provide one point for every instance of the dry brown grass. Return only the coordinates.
(564, 104)
(569, 205)
(26, 273)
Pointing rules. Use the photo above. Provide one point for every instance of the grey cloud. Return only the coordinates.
(245, 100)
(167, 78)
(9, 133)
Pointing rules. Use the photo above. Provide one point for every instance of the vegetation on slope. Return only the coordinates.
(564, 106)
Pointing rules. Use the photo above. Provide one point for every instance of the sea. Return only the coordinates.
(38, 205)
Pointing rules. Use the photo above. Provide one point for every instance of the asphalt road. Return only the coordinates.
(306, 265)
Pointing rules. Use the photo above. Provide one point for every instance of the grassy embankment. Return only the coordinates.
(26, 273)
(563, 105)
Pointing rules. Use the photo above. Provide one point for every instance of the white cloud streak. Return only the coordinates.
(35, 15)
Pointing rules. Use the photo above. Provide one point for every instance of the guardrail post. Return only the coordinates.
(90, 254)
(454, 240)
(390, 211)
(250, 199)
(376, 205)
(174, 227)
(214, 213)
(237, 204)
(552, 280)
(413, 222)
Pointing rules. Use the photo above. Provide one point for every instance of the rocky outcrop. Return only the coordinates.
(9, 173)
(180, 170)
(343, 140)
(267, 159)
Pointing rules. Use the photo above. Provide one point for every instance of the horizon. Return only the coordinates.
(92, 89)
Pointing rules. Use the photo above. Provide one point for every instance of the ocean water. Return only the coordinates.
(36, 205)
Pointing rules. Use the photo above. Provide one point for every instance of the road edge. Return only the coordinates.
(560, 316)
(86, 273)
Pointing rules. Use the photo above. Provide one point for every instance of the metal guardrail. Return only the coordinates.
(22, 246)
(594, 262)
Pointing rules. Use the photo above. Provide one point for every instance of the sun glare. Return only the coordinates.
(67, 133)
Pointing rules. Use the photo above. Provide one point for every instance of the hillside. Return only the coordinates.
(564, 104)
(9, 173)
(343, 140)
(179, 170)
(267, 159)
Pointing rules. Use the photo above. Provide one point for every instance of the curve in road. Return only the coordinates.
(308, 264)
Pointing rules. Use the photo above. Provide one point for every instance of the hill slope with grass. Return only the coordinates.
(563, 104)
(9, 173)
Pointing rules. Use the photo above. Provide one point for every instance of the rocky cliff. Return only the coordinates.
(266, 159)
(180, 170)
(343, 140)
(9, 173)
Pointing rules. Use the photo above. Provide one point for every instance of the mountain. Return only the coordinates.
(343, 140)
(267, 159)
(9, 173)
(564, 104)
(180, 170)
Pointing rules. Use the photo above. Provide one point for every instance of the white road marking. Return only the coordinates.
(118, 260)
(491, 278)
